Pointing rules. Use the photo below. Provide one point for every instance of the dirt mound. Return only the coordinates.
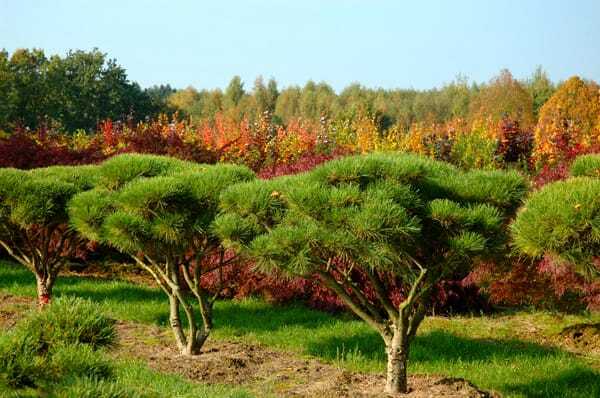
(270, 372)
(12, 309)
(583, 337)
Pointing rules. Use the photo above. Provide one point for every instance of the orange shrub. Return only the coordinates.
(569, 122)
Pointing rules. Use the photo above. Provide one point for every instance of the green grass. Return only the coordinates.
(488, 351)
(162, 385)
(137, 377)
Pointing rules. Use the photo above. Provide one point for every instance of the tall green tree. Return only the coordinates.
(234, 92)
(76, 91)
(28, 97)
(288, 103)
(540, 88)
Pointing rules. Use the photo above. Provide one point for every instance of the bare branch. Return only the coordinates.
(156, 277)
(412, 295)
(381, 293)
(332, 283)
(22, 259)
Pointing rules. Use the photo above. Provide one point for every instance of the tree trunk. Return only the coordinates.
(397, 352)
(198, 338)
(190, 343)
(44, 289)
(175, 322)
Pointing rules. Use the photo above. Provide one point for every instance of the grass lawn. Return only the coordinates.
(500, 353)
(142, 379)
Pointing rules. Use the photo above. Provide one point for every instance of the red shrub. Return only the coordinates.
(307, 162)
(27, 150)
(515, 144)
(545, 284)
(240, 281)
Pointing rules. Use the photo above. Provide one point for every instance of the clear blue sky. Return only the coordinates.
(378, 43)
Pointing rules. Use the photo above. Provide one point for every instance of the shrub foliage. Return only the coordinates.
(563, 219)
(60, 343)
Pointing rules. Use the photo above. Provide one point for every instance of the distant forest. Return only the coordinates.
(79, 90)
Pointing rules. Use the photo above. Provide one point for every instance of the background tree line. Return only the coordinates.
(82, 88)
(73, 92)
(501, 96)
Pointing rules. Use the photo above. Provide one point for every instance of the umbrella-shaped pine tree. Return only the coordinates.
(34, 227)
(165, 224)
(364, 223)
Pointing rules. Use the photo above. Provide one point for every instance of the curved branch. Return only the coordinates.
(332, 283)
(381, 293)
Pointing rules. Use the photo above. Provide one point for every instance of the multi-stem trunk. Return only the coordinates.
(396, 325)
(190, 341)
(43, 254)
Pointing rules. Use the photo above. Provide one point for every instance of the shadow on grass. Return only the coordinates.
(527, 369)
(431, 348)
(13, 276)
(123, 297)
(538, 371)
(579, 382)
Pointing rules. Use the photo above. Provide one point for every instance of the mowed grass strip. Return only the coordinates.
(488, 351)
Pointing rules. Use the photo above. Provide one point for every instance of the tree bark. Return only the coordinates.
(397, 352)
(45, 283)
(175, 322)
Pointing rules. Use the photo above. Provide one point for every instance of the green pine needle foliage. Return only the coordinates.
(563, 220)
(375, 210)
(586, 166)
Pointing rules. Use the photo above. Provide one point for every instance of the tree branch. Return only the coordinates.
(412, 295)
(332, 283)
(381, 293)
(156, 277)
(364, 301)
(22, 259)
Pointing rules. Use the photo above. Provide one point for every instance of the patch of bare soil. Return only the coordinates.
(584, 338)
(264, 371)
(271, 373)
(12, 309)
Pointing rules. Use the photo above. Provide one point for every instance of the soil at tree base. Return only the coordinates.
(11, 309)
(270, 372)
(257, 368)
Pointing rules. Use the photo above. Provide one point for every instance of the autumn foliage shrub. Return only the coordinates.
(543, 284)
(515, 144)
(474, 150)
(569, 122)
(25, 150)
